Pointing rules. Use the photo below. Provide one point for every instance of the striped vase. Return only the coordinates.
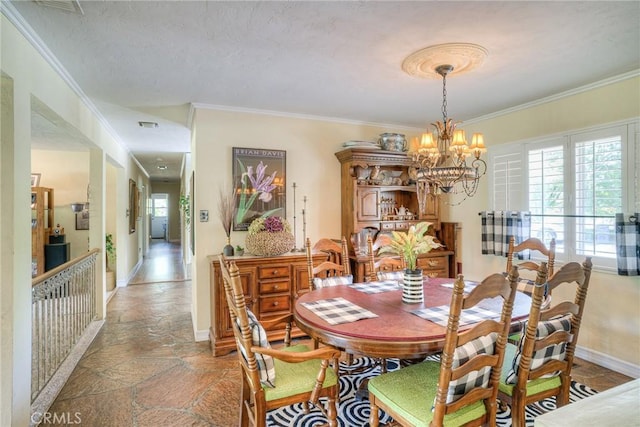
(412, 292)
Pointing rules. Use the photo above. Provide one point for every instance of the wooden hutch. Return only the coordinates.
(376, 185)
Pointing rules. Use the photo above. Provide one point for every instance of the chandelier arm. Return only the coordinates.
(480, 166)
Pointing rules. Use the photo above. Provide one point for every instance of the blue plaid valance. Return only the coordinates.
(628, 245)
(499, 226)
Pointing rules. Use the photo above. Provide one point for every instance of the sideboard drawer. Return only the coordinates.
(273, 271)
(274, 286)
(435, 263)
(275, 303)
(270, 285)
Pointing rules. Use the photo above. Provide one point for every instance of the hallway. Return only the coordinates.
(144, 369)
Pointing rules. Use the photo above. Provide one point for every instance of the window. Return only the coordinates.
(599, 191)
(573, 186)
(160, 207)
(546, 194)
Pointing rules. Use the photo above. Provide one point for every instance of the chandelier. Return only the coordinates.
(442, 161)
(446, 163)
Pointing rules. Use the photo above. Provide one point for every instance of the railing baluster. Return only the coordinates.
(63, 305)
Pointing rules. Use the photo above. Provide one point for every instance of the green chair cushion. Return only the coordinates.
(411, 392)
(533, 387)
(295, 378)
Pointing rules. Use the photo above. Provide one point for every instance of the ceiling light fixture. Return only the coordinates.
(162, 167)
(148, 124)
(441, 156)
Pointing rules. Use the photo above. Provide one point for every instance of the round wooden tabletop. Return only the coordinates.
(396, 332)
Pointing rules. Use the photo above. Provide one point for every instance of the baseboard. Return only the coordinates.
(608, 362)
(111, 293)
(133, 272)
(202, 335)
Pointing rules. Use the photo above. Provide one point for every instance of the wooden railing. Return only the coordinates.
(63, 305)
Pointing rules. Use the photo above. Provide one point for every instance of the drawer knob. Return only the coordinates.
(275, 303)
(433, 263)
(274, 272)
(275, 287)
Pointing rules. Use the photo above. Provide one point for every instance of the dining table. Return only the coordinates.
(371, 318)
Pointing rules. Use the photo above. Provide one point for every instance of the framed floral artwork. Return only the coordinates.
(260, 184)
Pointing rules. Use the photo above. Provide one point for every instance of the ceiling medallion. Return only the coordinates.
(463, 57)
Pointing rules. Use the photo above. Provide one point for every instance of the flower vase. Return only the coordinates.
(412, 292)
(228, 249)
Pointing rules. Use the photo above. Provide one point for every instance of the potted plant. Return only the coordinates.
(185, 206)
(110, 251)
(409, 245)
(239, 250)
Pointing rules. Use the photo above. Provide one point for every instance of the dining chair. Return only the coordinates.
(463, 386)
(532, 244)
(385, 267)
(272, 378)
(335, 270)
(540, 365)
(526, 282)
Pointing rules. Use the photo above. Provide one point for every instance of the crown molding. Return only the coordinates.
(32, 37)
(558, 96)
(229, 108)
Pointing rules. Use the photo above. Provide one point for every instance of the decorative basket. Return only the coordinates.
(267, 243)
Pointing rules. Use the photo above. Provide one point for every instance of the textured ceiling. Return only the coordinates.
(148, 60)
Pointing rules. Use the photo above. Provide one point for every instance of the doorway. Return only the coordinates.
(159, 215)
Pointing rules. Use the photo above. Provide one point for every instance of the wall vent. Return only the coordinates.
(72, 6)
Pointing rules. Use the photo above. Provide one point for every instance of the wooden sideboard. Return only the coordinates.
(436, 262)
(271, 285)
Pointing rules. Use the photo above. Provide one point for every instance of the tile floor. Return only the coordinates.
(144, 368)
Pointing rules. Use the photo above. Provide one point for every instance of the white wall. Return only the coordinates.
(67, 173)
(310, 145)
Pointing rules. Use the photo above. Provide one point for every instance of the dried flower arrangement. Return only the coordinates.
(226, 209)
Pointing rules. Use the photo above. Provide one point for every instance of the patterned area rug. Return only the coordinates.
(353, 412)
